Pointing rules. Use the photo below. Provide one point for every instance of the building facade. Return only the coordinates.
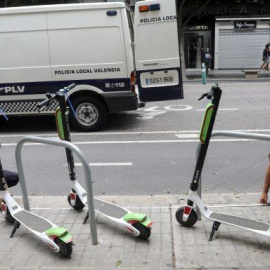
(234, 32)
(239, 41)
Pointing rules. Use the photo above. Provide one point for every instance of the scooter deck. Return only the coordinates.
(240, 222)
(33, 221)
(109, 209)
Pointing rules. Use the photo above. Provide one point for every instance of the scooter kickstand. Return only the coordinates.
(16, 226)
(215, 227)
(86, 218)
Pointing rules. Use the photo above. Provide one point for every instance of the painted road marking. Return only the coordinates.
(132, 133)
(161, 141)
(151, 112)
(137, 142)
(105, 164)
(186, 136)
(178, 107)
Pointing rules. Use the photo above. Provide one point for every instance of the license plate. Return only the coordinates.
(159, 78)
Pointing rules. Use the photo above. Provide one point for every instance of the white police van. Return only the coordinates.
(98, 47)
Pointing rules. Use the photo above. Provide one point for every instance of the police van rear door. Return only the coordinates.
(157, 55)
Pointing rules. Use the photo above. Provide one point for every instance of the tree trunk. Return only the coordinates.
(182, 50)
(181, 31)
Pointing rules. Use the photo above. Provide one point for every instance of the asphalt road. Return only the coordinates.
(152, 151)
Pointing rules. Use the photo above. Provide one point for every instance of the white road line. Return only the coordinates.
(160, 141)
(186, 136)
(136, 142)
(129, 133)
(106, 164)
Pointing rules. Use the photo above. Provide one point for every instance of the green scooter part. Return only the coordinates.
(206, 121)
(59, 124)
(139, 217)
(60, 232)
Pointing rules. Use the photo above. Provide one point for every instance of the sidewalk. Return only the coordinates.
(237, 74)
(169, 247)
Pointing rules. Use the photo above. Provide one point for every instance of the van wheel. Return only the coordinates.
(91, 114)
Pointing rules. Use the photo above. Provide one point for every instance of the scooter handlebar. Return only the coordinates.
(68, 88)
(211, 93)
(43, 103)
(50, 97)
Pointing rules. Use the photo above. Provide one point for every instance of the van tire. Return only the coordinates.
(91, 114)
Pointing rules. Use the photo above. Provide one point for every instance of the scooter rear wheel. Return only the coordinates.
(192, 219)
(65, 248)
(78, 203)
(145, 232)
(8, 217)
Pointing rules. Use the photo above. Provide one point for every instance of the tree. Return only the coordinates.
(183, 22)
(16, 3)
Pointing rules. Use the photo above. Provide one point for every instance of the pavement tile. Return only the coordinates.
(169, 247)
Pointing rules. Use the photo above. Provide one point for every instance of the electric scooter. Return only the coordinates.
(187, 215)
(57, 238)
(137, 224)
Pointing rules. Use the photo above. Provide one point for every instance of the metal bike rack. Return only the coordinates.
(87, 175)
(240, 135)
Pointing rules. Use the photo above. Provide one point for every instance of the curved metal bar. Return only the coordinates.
(241, 135)
(87, 174)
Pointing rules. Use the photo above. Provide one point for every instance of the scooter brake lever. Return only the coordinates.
(203, 96)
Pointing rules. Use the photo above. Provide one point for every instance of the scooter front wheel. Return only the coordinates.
(192, 219)
(65, 248)
(145, 232)
(78, 203)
